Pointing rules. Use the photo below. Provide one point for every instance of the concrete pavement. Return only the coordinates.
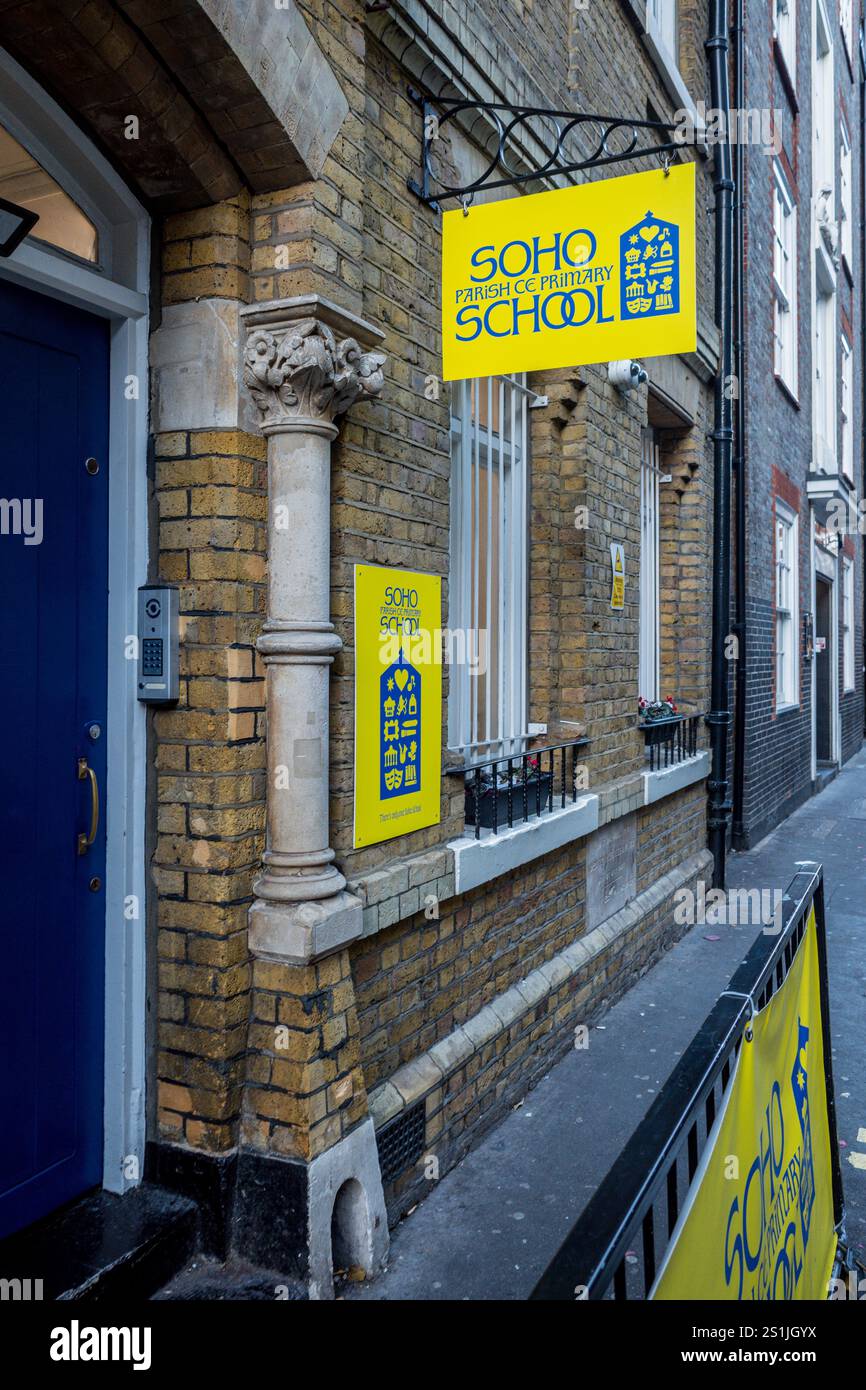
(492, 1224)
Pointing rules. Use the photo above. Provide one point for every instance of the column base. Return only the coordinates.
(298, 933)
(305, 1219)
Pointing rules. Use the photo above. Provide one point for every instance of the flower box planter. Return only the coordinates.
(537, 797)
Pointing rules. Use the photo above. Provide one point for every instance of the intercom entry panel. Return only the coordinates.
(157, 643)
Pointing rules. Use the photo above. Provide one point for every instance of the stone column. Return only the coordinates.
(304, 365)
(308, 1147)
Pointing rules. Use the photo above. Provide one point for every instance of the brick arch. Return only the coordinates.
(216, 111)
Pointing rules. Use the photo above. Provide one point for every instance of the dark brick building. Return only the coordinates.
(802, 407)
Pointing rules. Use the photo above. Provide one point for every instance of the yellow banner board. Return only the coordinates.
(617, 569)
(759, 1220)
(595, 273)
(398, 702)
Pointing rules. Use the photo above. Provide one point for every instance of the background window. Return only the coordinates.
(845, 185)
(846, 19)
(787, 691)
(824, 109)
(487, 702)
(662, 21)
(648, 662)
(847, 624)
(785, 31)
(826, 421)
(847, 410)
(784, 279)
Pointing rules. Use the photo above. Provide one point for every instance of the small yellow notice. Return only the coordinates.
(617, 565)
(398, 702)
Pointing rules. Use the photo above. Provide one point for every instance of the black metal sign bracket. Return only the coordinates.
(563, 137)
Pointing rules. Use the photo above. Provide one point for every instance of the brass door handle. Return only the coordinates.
(85, 841)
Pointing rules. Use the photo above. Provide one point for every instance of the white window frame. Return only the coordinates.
(846, 214)
(825, 387)
(785, 34)
(847, 623)
(649, 636)
(784, 280)
(823, 108)
(847, 410)
(786, 598)
(480, 454)
(663, 24)
(846, 23)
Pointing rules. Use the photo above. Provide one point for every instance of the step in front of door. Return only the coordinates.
(102, 1246)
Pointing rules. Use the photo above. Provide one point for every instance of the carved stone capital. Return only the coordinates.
(306, 362)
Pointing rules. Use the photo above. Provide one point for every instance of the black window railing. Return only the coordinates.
(506, 791)
(670, 741)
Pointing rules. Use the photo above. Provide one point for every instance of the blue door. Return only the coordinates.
(53, 654)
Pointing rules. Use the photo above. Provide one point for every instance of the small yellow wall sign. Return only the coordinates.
(594, 273)
(398, 702)
(617, 571)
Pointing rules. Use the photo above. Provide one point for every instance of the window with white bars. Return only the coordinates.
(487, 626)
(847, 623)
(787, 608)
(784, 279)
(662, 20)
(648, 653)
(785, 32)
(847, 409)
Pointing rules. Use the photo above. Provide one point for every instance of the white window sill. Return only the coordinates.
(665, 781)
(787, 709)
(490, 856)
(790, 389)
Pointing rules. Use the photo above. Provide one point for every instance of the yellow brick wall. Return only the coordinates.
(210, 777)
(206, 253)
(357, 236)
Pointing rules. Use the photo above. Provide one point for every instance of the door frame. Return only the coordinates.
(826, 563)
(116, 289)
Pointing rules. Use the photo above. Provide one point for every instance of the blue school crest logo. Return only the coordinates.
(399, 730)
(649, 269)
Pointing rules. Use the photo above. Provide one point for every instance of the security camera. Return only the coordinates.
(626, 375)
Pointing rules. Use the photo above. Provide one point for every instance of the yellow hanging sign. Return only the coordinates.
(759, 1221)
(617, 566)
(398, 702)
(594, 273)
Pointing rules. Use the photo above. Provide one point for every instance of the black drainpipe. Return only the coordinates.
(738, 833)
(722, 435)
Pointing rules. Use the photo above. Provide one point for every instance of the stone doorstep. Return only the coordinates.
(104, 1246)
(423, 1074)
